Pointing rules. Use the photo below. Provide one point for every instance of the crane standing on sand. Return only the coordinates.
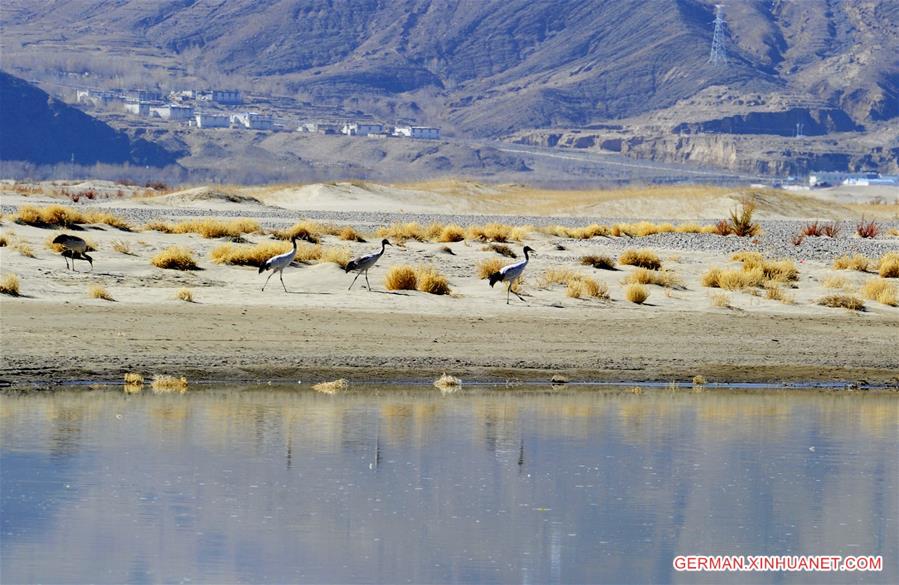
(73, 247)
(363, 263)
(511, 273)
(278, 264)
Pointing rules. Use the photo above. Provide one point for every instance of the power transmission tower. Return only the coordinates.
(718, 55)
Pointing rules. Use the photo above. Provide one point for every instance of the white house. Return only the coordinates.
(362, 129)
(426, 132)
(212, 120)
(97, 98)
(253, 120)
(138, 108)
(143, 95)
(221, 96)
(172, 112)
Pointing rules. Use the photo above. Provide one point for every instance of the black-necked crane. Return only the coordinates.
(363, 263)
(511, 273)
(278, 264)
(73, 247)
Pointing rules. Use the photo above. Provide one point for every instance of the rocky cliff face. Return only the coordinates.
(42, 130)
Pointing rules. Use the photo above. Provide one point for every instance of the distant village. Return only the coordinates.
(204, 109)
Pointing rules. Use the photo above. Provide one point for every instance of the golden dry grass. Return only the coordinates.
(850, 302)
(664, 278)
(641, 229)
(429, 280)
(122, 247)
(99, 292)
(636, 293)
(643, 258)
(175, 258)
(451, 233)
(488, 266)
(332, 387)
(835, 282)
(400, 277)
(245, 255)
(133, 379)
(501, 249)
(586, 287)
(893, 232)
(6, 239)
(447, 382)
(880, 290)
(9, 285)
(184, 294)
(776, 270)
(401, 232)
(24, 249)
(340, 256)
(598, 261)
(889, 265)
(858, 262)
(64, 216)
(557, 275)
(349, 234)
(165, 384)
(497, 232)
(208, 228)
(720, 300)
(577, 233)
(773, 292)
(699, 380)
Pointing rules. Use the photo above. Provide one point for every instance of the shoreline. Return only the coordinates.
(232, 342)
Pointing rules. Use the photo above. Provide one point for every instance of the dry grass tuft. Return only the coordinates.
(721, 300)
(773, 292)
(348, 234)
(208, 228)
(643, 258)
(497, 232)
(401, 277)
(340, 256)
(332, 387)
(636, 293)
(9, 285)
(242, 255)
(501, 249)
(741, 223)
(401, 232)
(24, 249)
(447, 382)
(776, 270)
(880, 290)
(175, 258)
(429, 280)
(488, 266)
(843, 302)
(733, 279)
(835, 282)
(451, 233)
(889, 265)
(6, 239)
(857, 262)
(67, 217)
(169, 384)
(893, 232)
(665, 278)
(447, 250)
(598, 261)
(122, 248)
(579, 233)
(584, 286)
(699, 380)
(643, 228)
(133, 379)
(184, 294)
(98, 292)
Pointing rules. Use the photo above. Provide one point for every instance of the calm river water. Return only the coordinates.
(409, 485)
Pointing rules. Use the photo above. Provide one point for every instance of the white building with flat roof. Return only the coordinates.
(362, 128)
(212, 120)
(253, 121)
(138, 108)
(172, 112)
(426, 132)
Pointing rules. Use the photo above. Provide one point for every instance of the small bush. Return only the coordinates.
(721, 300)
(798, 239)
(867, 229)
(643, 258)
(185, 295)
(242, 255)
(24, 249)
(857, 262)
(741, 223)
(733, 279)
(699, 380)
(348, 234)
(835, 282)
(309, 231)
(842, 302)
(447, 382)
(169, 384)
(722, 228)
(497, 232)
(880, 290)
(831, 230)
(332, 387)
(777, 270)
(133, 379)
(598, 261)
(636, 293)
(9, 285)
(175, 258)
(488, 266)
(122, 248)
(584, 286)
(98, 292)
(401, 277)
(401, 232)
(665, 278)
(501, 249)
(889, 265)
(774, 293)
(5, 240)
(451, 233)
(429, 280)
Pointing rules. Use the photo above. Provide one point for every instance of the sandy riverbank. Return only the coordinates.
(54, 332)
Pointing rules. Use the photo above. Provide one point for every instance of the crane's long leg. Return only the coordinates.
(358, 274)
(66, 258)
(514, 293)
(281, 276)
(268, 279)
(508, 290)
(368, 284)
